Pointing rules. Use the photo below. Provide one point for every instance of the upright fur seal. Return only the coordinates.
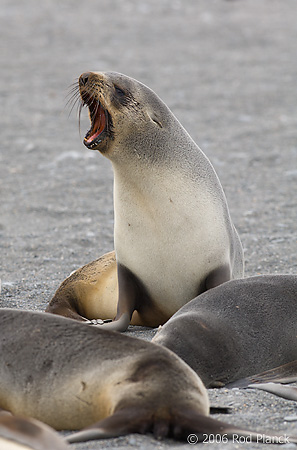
(237, 330)
(174, 237)
(70, 376)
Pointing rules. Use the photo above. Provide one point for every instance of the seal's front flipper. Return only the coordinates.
(217, 277)
(121, 324)
(125, 421)
(287, 373)
(129, 291)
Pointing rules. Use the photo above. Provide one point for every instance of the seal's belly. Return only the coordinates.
(172, 283)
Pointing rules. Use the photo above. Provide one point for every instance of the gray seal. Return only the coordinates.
(238, 329)
(173, 234)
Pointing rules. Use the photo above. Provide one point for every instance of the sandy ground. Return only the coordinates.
(227, 69)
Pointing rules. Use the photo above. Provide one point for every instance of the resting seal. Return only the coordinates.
(237, 330)
(70, 376)
(173, 234)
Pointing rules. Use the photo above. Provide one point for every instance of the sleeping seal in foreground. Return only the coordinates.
(71, 376)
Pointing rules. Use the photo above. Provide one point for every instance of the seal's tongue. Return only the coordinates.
(98, 124)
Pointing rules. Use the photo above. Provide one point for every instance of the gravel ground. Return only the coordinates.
(227, 69)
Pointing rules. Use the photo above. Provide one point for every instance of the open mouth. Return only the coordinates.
(99, 118)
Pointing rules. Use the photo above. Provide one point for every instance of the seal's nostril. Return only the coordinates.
(84, 78)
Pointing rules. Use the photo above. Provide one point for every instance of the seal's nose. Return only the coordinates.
(84, 78)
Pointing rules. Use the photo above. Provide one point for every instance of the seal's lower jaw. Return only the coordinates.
(98, 134)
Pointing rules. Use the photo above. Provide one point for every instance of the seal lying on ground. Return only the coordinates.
(70, 376)
(237, 329)
(18, 433)
(174, 237)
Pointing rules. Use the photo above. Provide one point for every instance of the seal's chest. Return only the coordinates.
(170, 257)
(169, 238)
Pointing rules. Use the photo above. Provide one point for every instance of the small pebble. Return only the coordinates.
(290, 418)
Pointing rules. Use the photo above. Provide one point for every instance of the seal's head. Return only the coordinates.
(123, 113)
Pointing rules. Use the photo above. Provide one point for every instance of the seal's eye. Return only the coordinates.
(119, 91)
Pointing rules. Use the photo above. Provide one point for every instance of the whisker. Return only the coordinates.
(74, 100)
(77, 99)
(79, 116)
(75, 82)
(72, 89)
(77, 102)
(74, 95)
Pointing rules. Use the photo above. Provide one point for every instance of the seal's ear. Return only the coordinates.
(154, 118)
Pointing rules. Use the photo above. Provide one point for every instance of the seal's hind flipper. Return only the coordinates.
(288, 392)
(180, 424)
(287, 373)
(201, 428)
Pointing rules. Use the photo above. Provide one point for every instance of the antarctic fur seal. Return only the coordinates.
(173, 234)
(70, 376)
(237, 329)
